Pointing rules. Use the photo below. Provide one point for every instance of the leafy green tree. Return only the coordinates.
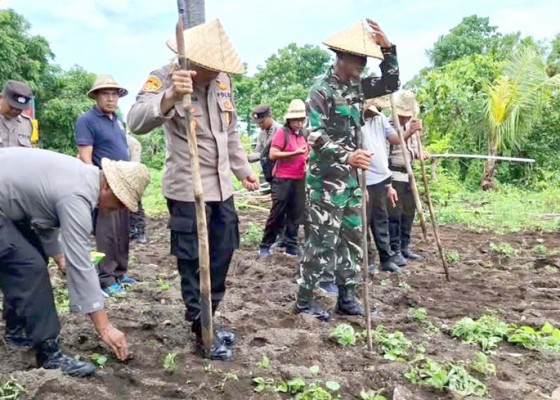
(474, 35)
(513, 103)
(23, 57)
(287, 74)
(553, 59)
(65, 100)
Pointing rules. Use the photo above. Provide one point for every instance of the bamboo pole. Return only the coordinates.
(367, 308)
(431, 208)
(200, 207)
(411, 179)
(483, 157)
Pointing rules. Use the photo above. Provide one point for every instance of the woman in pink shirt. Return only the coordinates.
(290, 150)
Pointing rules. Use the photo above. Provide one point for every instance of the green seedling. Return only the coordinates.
(427, 372)
(344, 335)
(547, 338)
(315, 369)
(482, 366)
(316, 392)
(264, 363)
(540, 250)
(264, 385)
(291, 386)
(503, 249)
(253, 235)
(228, 376)
(169, 363)
(61, 300)
(163, 285)
(420, 315)
(99, 359)
(453, 256)
(371, 395)
(488, 331)
(394, 346)
(11, 390)
(384, 282)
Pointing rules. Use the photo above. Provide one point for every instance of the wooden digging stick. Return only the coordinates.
(202, 229)
(431, 207)
(367, 308)
(409, 171)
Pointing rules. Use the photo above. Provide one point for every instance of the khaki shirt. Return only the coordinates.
(265, 136)
(134, 148)
(15, 132)
(396, 158)
(220, 150)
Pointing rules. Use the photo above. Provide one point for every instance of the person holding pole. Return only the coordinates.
(401, 216)
(333, 245)
(211, 59)
(377, 132)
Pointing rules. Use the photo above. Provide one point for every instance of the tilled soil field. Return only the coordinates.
(523, 288)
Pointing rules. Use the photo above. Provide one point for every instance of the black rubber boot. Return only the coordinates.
(16, 336)
(219, 350)
(306, 304)
(398, 259)
(390, 266)
(408, 254)
(347, 303)
(141, 237)
(49, 356)
(226, 337)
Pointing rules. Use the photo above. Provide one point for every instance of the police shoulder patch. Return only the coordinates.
(152, 84)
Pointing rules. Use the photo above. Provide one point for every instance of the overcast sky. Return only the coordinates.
(126, 38)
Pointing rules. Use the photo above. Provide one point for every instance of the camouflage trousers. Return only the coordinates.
(333, 246)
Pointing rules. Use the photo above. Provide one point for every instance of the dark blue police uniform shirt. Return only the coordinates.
(106, 135)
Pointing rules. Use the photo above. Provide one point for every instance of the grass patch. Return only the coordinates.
(508, 209)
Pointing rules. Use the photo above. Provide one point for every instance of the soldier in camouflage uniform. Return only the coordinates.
(333, 245)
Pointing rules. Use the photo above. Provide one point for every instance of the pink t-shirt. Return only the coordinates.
(293, 167)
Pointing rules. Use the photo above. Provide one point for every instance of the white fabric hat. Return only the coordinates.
(127, 180)
(406, 104)
(208, 45)
(296, 110)
(106, 82)
(356, 40)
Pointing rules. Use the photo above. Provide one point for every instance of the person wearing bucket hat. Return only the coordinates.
(262, 116)
(401, 216)
(100, 133)
(333, 245)
(15, 127)
(377, 131)
(212, 58)
(289, 150)
(46, 205)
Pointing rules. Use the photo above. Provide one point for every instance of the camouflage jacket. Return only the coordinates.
(336, 119)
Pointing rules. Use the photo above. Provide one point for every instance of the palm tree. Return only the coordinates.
(196, 14)
(513, 103)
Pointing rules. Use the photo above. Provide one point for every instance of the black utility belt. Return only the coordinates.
(398, 169)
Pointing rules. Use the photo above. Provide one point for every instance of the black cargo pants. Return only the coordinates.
(223, 236)
(25, 283)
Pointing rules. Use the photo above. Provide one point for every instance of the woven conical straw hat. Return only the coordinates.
(127, 180)
(356, 40)
(406, 104)
(208, 45)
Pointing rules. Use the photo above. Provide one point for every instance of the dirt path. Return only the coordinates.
(524, 289)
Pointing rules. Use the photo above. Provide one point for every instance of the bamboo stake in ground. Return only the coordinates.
(202, 229)
(367, 308)
(431, 208)
(411, 179)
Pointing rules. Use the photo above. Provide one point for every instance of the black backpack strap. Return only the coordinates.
(286, 138)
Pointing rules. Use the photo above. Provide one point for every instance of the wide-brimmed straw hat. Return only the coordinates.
(406, 104)
(106, 82)
(208, 46)
(296, 110)
(356, 40)
(127, 180)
